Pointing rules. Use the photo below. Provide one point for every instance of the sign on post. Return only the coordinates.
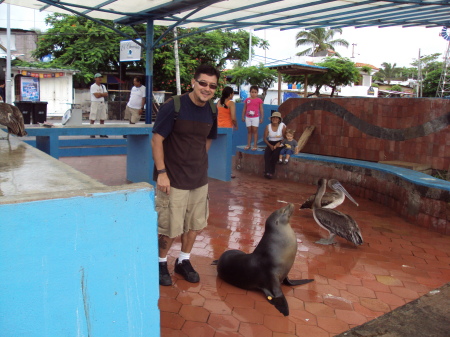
(130, 51)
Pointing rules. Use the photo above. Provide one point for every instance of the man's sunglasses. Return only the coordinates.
(204, 84)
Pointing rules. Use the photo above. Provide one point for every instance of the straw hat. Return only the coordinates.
(276, 114)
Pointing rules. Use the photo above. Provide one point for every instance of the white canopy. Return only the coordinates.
(256, 14)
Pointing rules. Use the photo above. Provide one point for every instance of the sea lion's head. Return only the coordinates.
(280, 217)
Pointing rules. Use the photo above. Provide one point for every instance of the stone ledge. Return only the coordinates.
(412, 166)
(415, 196)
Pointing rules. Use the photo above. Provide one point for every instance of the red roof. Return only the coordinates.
(360, 65)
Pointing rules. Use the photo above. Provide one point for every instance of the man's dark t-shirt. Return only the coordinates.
(185, 156)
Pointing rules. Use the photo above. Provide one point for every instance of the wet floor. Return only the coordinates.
(397, 263)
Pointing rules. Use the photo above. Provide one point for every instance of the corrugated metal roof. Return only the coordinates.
(256, 14)
(298, 69)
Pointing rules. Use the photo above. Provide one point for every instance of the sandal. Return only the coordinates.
(254, 148)
(247, 147)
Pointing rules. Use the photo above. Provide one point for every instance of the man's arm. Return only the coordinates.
(208, 144)
(163, 182)
(142, 106)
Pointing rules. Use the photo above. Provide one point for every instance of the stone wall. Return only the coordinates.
(415, 197)
(412, 130)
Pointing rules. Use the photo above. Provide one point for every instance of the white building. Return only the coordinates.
(54, 86)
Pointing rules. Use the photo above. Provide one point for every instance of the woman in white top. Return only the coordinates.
(273, 137)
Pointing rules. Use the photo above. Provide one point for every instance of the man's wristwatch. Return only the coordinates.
(161, 171)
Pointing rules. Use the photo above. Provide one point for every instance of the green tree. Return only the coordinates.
(388, 72)
(259, 75)
(82, 44)
(341, 72)
(396, 87)
(320, 39)
(431, 83)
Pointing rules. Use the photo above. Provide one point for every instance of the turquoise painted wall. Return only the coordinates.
(80, 266)
(240, 136)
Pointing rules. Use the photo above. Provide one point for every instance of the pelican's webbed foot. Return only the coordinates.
(326, 242)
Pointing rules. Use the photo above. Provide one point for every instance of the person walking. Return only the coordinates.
(180, 143)
(98, 104)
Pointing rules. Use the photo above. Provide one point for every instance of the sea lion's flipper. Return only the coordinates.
(289, 282)
(281, 304)
(214, 263)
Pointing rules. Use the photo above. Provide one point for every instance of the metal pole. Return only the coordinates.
(279, 88)
(250, 48)
(149, 71)
(8, 55)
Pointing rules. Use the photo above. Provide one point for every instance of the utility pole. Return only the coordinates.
(419, 77)
(177, 61)
(353, 50)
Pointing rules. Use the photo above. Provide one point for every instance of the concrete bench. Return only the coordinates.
(137, 147)
(76, 257)
(417, 197)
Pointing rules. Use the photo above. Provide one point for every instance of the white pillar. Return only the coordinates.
(8, 56)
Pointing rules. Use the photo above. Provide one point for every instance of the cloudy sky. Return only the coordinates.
(372, 45)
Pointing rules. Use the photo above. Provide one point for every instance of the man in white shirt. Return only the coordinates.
(136, 104)
(98, 104)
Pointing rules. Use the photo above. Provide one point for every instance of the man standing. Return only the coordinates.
(98, 104)
(180, 144)
(135, 106)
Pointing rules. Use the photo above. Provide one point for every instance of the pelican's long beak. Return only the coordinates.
(338, 186)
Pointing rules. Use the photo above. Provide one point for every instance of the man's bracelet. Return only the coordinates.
(161, 171)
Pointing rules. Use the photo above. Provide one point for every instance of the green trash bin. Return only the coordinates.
(26, 107)
(39, 112)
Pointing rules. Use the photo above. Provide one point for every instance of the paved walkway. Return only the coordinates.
(398, 263)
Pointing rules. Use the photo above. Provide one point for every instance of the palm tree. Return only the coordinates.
(321, 39)
(388, 72)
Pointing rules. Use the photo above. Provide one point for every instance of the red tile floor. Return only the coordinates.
(397, 263)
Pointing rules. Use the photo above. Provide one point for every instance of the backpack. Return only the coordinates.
(177, 102)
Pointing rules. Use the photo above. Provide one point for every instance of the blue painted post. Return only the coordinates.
(48, 144)
(139, 158)
(220, 154)
(149, 71)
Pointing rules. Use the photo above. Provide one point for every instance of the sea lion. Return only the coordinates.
(269, 264)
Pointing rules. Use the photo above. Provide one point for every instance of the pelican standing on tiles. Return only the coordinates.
(330, 199)
(335, 222)
(11, 117)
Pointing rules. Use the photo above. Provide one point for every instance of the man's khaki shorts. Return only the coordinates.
(98, 111)
(132, 115)
(182, 210)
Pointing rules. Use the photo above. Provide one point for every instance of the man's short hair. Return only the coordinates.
(137, 78)
(208, 70)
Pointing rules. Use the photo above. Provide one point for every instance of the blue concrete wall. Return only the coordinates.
(240, 136)
(80, 266)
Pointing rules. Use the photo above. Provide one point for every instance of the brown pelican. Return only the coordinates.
(335, 222)
(330, 199)
(11, 117)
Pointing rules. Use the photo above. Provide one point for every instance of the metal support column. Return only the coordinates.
(149, 71)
